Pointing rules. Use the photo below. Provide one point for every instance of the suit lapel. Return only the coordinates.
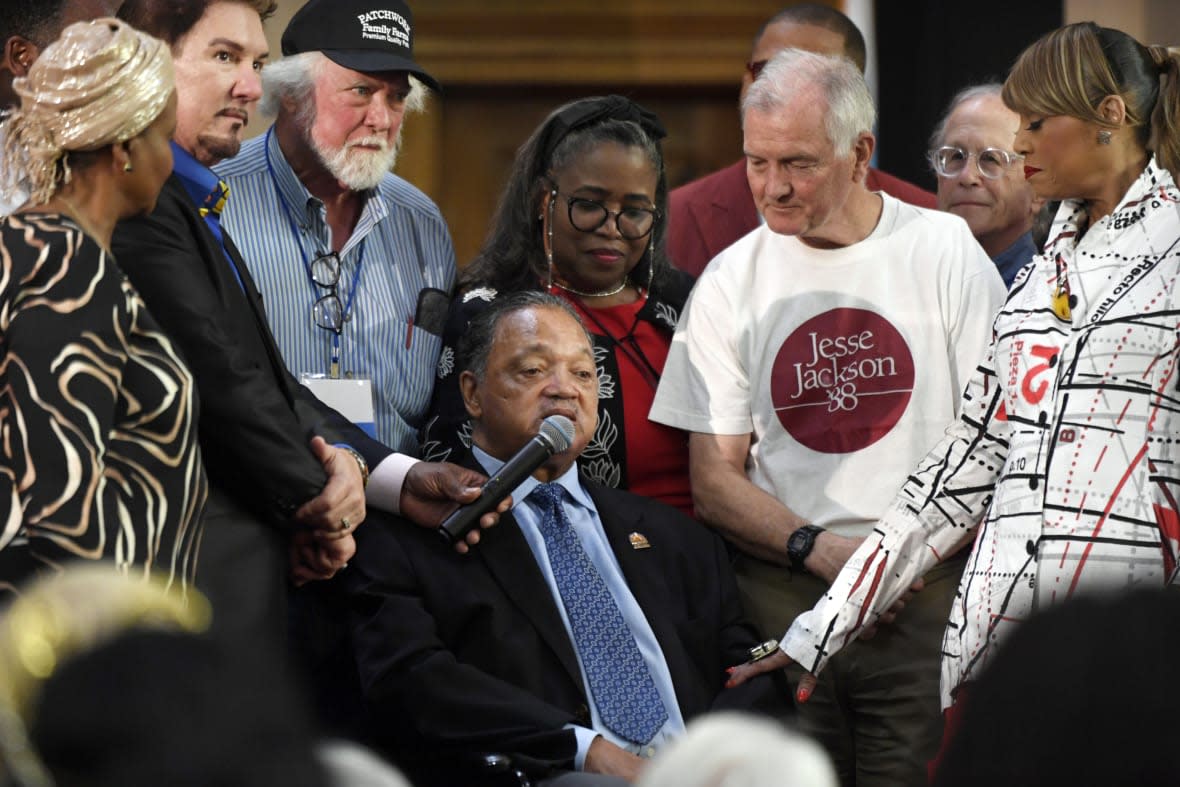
(221, 272)
(510, 560)
(731, 213)
(257, 310)
(640, 571)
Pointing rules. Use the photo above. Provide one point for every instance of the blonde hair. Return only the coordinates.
(60, 616)
(1072, 69)
(101, 83)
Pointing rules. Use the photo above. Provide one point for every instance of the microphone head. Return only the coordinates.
(558, 431)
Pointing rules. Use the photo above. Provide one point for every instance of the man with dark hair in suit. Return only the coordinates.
(290, 478)
(479, 652)
(712, 212)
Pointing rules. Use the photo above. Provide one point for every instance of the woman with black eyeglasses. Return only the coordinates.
(583, 216)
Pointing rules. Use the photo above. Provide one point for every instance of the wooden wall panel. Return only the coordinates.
(505, 65)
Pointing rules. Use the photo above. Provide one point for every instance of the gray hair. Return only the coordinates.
(475, 345)
(731, 749)
(850, 110)
(293, 78)
(969, 93)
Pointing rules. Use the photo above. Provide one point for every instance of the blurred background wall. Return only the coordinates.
(505, 64)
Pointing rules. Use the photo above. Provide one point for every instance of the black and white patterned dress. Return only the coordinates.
(98, 415)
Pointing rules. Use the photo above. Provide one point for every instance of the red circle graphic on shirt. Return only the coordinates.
(842, 380)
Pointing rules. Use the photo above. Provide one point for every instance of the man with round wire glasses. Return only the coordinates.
(981, 179)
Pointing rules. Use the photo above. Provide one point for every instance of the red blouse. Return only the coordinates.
(657, 455)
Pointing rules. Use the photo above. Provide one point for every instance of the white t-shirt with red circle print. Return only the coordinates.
(845, 365)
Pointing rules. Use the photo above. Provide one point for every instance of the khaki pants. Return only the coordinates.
(876, 706)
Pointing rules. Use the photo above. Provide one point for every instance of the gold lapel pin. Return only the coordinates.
(639, 541)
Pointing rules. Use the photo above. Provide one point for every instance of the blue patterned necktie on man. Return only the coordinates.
(620, 682)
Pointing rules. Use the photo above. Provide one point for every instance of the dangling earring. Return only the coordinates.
(549, 239)
(127, 167)
(1103, 137)
(651, 259)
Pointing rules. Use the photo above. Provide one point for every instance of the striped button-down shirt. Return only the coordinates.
(400, 249)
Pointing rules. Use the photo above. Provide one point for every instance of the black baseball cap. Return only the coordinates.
(364, 35)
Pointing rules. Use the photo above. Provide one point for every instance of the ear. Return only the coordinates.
(862, 150)
(469, 389)
(121, 156)
(543, 208)
(1113, 110)
(545, 215)
(19, 55)
(289, 105)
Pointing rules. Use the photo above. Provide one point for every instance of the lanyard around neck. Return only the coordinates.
(289, 212)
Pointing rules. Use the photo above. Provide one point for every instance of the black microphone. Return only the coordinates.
(556, 435)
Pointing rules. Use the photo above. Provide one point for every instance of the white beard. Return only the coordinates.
(359, 170)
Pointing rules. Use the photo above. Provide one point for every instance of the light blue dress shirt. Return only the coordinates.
(400, 247)
(583, 515)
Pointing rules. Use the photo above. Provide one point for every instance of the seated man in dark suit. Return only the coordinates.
(485, 651)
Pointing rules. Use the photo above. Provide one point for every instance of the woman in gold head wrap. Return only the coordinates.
(98, 451)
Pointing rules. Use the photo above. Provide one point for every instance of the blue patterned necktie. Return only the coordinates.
(620, 682)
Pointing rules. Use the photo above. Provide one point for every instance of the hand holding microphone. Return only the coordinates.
(556, 435)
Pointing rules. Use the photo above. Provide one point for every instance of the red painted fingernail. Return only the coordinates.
(729, 684)
(729, 670)
(804, 694)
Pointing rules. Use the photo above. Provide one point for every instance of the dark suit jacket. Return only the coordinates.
(712, 212)
(256, 419)
(465, 653)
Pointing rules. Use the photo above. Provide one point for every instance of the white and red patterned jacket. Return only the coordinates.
(1065, 462)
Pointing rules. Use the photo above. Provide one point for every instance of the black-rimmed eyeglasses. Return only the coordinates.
(587, 215)
(328, 311)
(949, 161)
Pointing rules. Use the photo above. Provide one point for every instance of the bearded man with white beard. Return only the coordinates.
(355, 263)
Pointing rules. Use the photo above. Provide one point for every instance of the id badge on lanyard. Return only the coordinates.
(352, 398)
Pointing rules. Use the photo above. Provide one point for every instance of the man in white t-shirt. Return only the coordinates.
(818, 359)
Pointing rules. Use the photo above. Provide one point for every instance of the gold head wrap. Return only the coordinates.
(101, 83)
(61, 616)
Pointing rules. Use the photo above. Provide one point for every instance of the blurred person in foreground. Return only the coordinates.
(1083, 695)
(110, 683)
(583, 217)
(1058, 469)
(728, 749)
(100, 457)
(981, 179)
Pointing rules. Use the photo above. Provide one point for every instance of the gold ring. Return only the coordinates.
(344, 523)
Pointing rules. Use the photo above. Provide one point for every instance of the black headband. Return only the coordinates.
(593, 110)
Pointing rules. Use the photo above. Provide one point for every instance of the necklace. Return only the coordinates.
(602, 294)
